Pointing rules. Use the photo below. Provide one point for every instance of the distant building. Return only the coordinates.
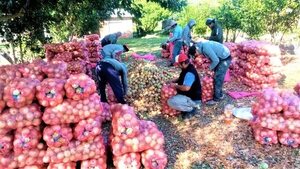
(122, 24)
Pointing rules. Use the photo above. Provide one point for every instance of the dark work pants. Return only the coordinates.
(176, 50)
(220, 72)
(107, 74)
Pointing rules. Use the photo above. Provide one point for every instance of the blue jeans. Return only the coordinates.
(183, 103)
(219, 77)
(176, 50)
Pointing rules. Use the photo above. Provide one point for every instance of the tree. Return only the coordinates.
(280, 15)
(200, 12)
(229, 15)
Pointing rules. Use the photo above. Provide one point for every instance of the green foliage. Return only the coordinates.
(148, 20)
(199, 12)
(229, 16)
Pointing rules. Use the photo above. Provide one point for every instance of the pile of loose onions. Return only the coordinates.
(76, 151)
(20, 92)
(56, 69)
(26, 139)
(14, 118)
(33, 70)
(129, 160)
(68, 165)
(99, 163)
(79, 87)
(125, 123)
(57, 135)
(265, 136)
(167, 92)
(289, 139)
(154, 159)
(207, 84)
(6, 144)
(72, 111)
(87, 129)
(50, 92)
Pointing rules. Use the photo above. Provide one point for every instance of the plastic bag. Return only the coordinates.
(243, 113)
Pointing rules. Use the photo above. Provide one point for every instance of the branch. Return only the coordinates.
(16, 15)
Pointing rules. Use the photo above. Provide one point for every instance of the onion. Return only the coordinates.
(99, 163)
(154, 159)
(130, 160)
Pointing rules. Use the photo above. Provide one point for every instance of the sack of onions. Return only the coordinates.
(2, 102)
(106, 113)
(20, 92)
(76, 151)
(154, 159)
(6, 144)
(168, 91)
(57, 135)
(33, 70)
(79, 87)
(8, 162)
(68, 165)
(31, 157)
(289, 139)
(265, 136)
(50, 92)
(291, 108)
(124, 121)
(26, 139)
(99, 163)
(111, 98)
(87, 129)
(297, 89)
(14, 118)
(56, 69)
(9, 73)
(129, 160)
(73, 111)
(207, 84)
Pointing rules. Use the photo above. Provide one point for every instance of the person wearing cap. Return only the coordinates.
(220, 58)
(188, 87)
(216, 30)
(186, 34)
(113, 51)
(176, 39)
(110, 39)
(109, 70)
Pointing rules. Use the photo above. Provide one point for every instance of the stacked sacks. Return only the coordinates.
(9, 73)
(167, 92)
(93, 46)
(33, 70)
(277, 118)
(56, 69)
(21, 127)
(255, 65)
(82, 108)
(131, 136)
(73, 53)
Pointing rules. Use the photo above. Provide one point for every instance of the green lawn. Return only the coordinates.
(144, 45)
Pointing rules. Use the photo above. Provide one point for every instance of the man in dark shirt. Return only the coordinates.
(216, 30)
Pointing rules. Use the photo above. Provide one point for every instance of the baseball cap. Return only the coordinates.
(181, 58)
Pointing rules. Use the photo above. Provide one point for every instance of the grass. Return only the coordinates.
(150, 44)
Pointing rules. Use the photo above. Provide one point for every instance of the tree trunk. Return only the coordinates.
(21, 51)
(227, 33)
(283, 33)
(13, 52)
(235, 32)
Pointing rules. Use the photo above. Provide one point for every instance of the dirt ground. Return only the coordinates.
(205, 141)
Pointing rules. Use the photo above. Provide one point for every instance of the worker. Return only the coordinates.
(176, 39)
(109, 71)
(110, 39)
(220, 58)
(216, 30)
(113, 51)
(188, 98)
(186, 34)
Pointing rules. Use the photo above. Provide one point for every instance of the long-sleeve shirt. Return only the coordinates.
(111, 38)
(121, 68)
(112, 51)
(177, 33)
(214, 51)
(216, 33)
(186, 34)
